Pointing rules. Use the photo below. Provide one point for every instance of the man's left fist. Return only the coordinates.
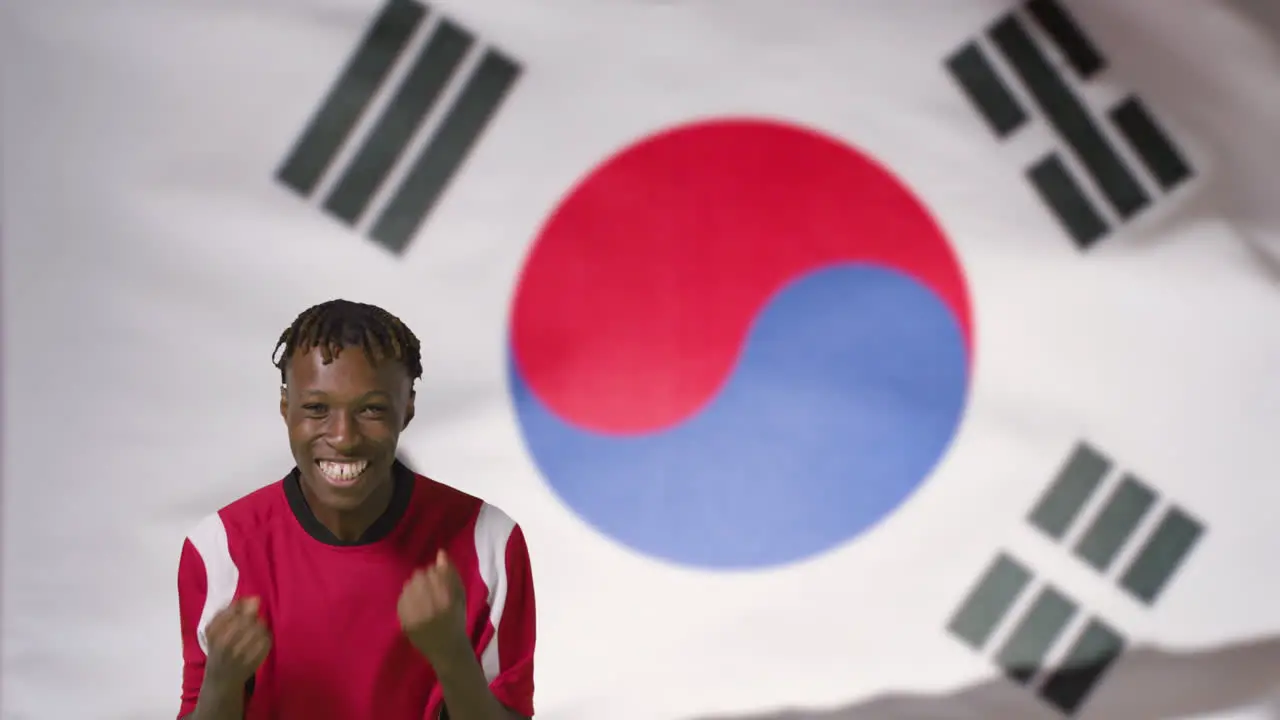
(433, 610)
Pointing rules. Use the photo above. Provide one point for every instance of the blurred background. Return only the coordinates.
(839, 358)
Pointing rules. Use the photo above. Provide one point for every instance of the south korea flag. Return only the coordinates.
(905, 360)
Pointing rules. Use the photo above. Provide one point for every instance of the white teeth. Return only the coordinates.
(342, 471)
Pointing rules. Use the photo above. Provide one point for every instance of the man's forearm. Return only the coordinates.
(466, 692)
(219, 701)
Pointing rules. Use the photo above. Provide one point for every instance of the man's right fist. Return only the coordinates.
(238, 643)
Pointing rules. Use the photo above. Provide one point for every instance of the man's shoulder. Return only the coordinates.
(490, 525)
(436, 494)
(245, 514)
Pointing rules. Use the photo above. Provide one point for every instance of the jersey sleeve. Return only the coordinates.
(515, 631)
(192, 591)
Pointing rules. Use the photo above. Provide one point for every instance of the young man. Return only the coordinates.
(354, 589)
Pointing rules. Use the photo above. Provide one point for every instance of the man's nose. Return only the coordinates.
(343, 432)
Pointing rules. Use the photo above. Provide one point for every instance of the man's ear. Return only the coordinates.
(408, 410)
(284, 402)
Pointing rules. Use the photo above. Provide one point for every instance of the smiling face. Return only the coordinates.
(344, 420)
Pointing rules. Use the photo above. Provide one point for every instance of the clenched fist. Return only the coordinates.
(433, 610)
(238, 643)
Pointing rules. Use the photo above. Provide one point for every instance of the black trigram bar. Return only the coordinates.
(1095, 650)
(1023, 654)
(416, 98)
(1065, 32)
(386, 142)
(1063, 501)
(989, 601)
(1069, 117)
(1151, 143)
(440, 159)
(1115, 523)
(1064, 196)
(1159, 559)
(347, 100)
(984, 88)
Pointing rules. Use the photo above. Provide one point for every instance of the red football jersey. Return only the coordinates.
(338, 651)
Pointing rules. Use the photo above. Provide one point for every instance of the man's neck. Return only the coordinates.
(349, 526)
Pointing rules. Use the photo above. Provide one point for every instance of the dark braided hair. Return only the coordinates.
(337, 324)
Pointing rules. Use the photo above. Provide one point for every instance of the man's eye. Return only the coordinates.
(375, 410)
(315, 408)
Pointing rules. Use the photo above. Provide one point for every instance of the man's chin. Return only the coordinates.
(341, 495)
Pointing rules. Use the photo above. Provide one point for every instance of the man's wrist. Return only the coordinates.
(220, 699)
(215, 684)
(452, 658)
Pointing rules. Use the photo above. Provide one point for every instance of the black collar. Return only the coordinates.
(402, 490)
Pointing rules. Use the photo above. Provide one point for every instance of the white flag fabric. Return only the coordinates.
(839, 360)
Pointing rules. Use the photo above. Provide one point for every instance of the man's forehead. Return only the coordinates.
(349, 359)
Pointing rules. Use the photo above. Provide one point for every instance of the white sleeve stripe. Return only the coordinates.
(493, 529)
(221, 574)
